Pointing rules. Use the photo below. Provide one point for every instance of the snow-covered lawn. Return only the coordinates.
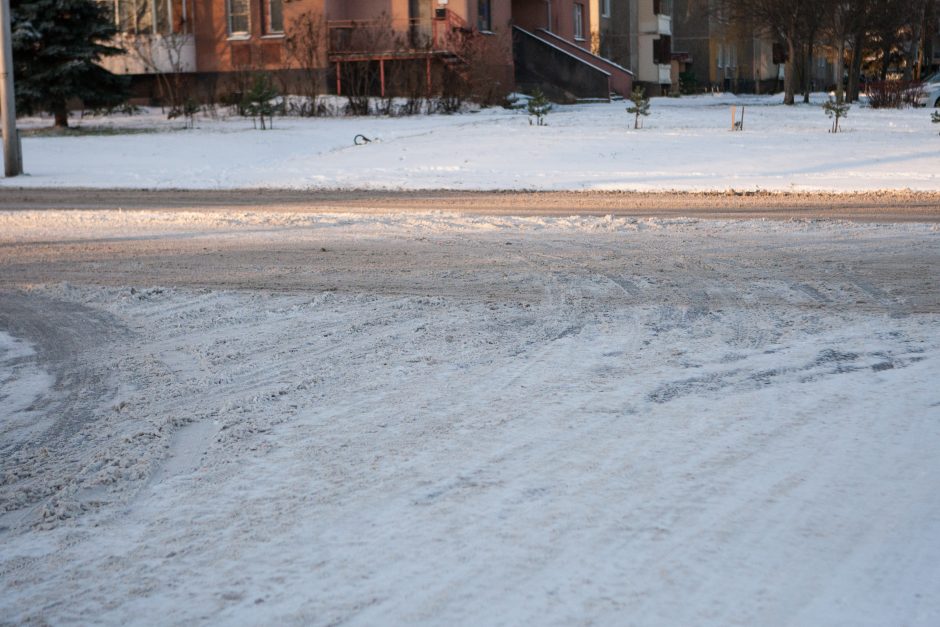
(685, 145)
(450, 420)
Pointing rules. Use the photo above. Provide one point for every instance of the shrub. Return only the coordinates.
(688, 84)
(893, 94)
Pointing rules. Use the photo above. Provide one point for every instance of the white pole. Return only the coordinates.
(12, 159)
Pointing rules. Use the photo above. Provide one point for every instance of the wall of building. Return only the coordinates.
(691, 35)
(616, 38)
(217, 51)
(534, 14)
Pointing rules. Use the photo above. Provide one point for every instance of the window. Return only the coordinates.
(578, 21)
(664, 7)
(484, 16)
(134, 16)
(238, 17)
(605, 8)
(144, 17)
(273, 17)
(662, 50)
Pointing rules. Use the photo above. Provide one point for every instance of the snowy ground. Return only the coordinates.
(441, 419)
(685, 145)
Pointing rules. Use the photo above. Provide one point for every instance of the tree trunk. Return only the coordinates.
(930, 17)
(789, 80)
(807, 71)
(885, 61)
(61, 113)
(912, 67)
(840, 67)
(855, 70)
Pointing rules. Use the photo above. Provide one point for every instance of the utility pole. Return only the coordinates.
(12, 158)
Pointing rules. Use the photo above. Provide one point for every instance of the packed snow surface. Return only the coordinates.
(453, 420)
(686, 144)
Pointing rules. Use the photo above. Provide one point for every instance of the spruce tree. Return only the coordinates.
(640, 106)
(836, 111)
(56, 44)
(538, 107)
(257, 102)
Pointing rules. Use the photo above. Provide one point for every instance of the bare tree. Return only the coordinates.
(305, 43)
(784, 20)
(163, 55)
(918, 14)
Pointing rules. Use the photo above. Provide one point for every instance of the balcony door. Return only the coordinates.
(419, 18)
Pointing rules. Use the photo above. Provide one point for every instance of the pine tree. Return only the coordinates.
(56, 44)
(641, 105)
(538, 107)
(257, 102)
(836, 111)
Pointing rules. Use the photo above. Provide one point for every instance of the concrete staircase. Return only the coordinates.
(565, 71)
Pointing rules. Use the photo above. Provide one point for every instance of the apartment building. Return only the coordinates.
(637, 34)
(534, 42)
(720, 55)
(555, 47)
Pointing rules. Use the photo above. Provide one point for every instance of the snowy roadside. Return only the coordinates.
(65, 225)
(685, 146)
(442, 418)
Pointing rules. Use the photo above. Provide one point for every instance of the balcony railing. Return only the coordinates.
(665, 74)
(662, 7)
(658, 24)
(368, 38)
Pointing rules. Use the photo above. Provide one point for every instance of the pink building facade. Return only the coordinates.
(216, 39)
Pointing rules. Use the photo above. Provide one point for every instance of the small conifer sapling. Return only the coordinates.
(640, 106)
(257, 102)
(836, 111)
(538, 107)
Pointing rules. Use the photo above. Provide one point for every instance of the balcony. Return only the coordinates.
(657, 25)
(665, 74)
(352, 40)
(655, 17)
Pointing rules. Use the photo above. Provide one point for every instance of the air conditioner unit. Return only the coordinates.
(440, 14)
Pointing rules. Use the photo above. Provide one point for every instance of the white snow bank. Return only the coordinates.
(685, 145)
(64, 225)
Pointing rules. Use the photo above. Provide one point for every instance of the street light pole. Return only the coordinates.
(12, 158)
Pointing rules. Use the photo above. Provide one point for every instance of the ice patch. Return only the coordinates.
(23, 386)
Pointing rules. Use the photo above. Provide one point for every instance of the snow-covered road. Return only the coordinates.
(443, 419)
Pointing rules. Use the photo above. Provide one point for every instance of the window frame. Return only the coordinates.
(485, 16)
(230, 16)
(269, 30)
(605, 8)
(578, 26)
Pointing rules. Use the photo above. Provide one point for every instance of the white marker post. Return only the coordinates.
(12, 158)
